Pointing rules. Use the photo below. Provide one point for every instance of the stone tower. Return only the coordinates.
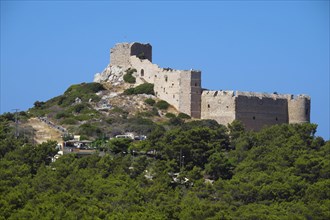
(121, 53)
(299, 108)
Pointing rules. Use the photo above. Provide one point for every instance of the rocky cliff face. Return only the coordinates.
(112, 74)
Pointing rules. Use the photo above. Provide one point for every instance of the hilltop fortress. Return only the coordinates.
(182, 89)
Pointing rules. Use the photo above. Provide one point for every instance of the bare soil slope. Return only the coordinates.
(43, 132)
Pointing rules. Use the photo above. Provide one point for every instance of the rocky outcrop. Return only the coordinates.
(112, 74)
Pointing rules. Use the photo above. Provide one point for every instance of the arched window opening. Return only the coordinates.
(142, 72)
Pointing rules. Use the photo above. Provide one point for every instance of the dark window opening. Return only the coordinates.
(142, 72)
(195, 84)
(254, 118)
(208, 105)
(165, 78)
(276, 119)
(227, 106)
(306, 112)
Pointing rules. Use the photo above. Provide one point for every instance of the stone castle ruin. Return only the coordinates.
(182, 89)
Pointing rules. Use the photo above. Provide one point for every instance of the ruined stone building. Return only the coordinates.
(182, 89)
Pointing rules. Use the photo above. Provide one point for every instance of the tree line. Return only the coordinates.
(195, 170)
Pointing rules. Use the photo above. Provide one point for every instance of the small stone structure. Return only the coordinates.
(182, 89)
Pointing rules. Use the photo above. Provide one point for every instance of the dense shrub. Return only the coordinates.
(146, 88)
(140, 125)
(84, 91)
(38, 104)
(162, 105)
(128, 77)
(79, 108)
(176, 121)
(62, 115)
(150, 101)
(130, 91)
(89, 130)
(183, 116)
(170, 115)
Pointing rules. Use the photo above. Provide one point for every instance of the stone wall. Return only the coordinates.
(254, 110)
(218, 105)
(182, 89)
(257, 110)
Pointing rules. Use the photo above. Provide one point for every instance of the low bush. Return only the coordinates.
(128, 77)
(84, 91)
(162, 105)
(183, 116)
(90, 130)
(145, 88)
(170, 115)
(69, 121)
(130, 91)
(79, 108)
(176, 121)
(150, 101)
(62, 115)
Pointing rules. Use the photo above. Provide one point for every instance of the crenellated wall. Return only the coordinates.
(257, 110)
(218, 105)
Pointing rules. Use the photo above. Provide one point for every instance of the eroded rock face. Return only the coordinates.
(112, 74)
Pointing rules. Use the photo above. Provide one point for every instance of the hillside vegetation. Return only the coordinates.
(185, 169)
(96, 112)
(191, 170)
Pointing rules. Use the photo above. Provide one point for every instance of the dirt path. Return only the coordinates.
(43, 132)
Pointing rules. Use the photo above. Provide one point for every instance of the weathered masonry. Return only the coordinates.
(255, 110)
(182, 89)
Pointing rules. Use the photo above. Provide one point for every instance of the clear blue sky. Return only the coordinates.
(261, 46)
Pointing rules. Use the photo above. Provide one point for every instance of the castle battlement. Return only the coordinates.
(182, 89)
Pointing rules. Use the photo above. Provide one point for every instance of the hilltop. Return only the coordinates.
(99, 110)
